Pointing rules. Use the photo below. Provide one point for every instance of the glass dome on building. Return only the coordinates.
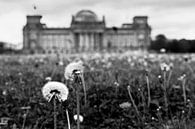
(86, 16)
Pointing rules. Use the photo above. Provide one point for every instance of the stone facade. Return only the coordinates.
(87, 33)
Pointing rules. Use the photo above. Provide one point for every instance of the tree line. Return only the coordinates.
(176, 46)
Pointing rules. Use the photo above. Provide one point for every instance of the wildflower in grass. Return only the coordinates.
(116, 84)
(25, 108)
(80, 118)
(160, 78)
(125, 105)
(74, 71)
(181, 78)
(176, 86)
(4, 120)
(165, 67)
(48, 79)
(73, 67)
(162, 50)
(4, 92)
(19, 74)
(60, 63)
(55, 88)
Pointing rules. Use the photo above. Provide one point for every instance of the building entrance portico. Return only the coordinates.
(88, 41)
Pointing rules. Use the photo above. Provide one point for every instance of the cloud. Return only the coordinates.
(175, 18)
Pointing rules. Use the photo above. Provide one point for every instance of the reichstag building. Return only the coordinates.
(87, 33)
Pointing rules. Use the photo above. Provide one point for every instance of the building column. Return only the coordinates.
(79, 41)
(87, 41)
(77, 38)
(95, 41)
(100, 41)
(84, 42)
(92, 41)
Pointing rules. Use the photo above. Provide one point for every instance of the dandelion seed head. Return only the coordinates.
(73, 67)
(165, 67)
(55, 88)
(181, 78)
(116, 84)
(80, 118)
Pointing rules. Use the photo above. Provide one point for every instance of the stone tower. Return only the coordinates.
(31, 32)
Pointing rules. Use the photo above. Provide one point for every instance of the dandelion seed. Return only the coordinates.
(55, 88)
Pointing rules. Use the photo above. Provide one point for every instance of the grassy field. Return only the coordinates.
(124, 91)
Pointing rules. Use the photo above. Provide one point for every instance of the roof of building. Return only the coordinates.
(86, 16)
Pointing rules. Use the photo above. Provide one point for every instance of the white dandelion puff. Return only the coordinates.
(80, 118)
(55, 88)
(165, 67)
(73, 67)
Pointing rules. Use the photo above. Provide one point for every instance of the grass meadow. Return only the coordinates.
(124, 91)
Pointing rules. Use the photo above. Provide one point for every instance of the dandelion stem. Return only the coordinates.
(55, 118)
(190, 68)
(84, 89)
(165, 93)
(132, 100)
(67, 115)
(169, 77)
(78, 109)
(184, 90)
(148, 87)
(24, 120)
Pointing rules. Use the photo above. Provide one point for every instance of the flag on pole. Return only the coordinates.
(34, 7)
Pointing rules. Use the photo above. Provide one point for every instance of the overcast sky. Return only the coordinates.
(174, 18)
